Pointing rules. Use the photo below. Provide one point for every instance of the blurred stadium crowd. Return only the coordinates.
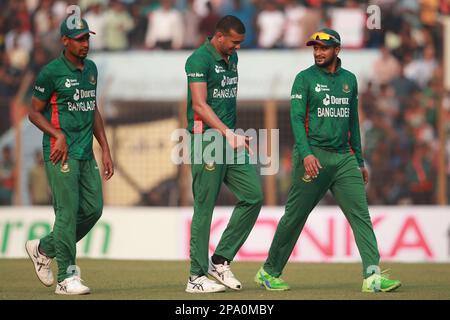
(398, 105)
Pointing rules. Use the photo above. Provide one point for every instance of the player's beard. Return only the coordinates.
(81, 55)
(227, 51)
(326, 63)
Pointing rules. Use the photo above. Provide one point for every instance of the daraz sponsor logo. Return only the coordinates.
(334, 100)
(83, 94)
(226, 81)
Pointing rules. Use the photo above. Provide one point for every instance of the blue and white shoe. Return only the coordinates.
(41, 263)
(202, 284)
(222, 272)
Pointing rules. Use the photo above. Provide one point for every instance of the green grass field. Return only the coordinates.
(154, 280)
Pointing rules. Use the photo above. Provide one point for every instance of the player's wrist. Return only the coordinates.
(307, 155)
(230, 135)
(105, 150)
(60, 135)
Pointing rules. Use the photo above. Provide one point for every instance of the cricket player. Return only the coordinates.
(211, 104)
(327, 156)
(64, 107)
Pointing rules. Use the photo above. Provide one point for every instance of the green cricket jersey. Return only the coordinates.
(324, 111)
(70, 94)
(207, 65)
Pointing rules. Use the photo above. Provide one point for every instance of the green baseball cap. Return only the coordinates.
(325, 37)
(74, 28)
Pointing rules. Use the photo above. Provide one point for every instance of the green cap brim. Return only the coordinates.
(81, 33)
(326, 43)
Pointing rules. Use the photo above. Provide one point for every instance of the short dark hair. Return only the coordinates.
(228, 23)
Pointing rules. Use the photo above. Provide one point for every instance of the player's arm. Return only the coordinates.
(206, 113)
(202, 109)
(43, 89)
(100, 135)
(299, 101)
(197, 73)
(355, 136)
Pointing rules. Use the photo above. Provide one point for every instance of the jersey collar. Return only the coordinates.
(338, 68)
(212, 50)
(69, 64)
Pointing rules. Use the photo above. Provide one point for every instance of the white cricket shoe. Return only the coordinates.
(223, 274)
(202, 284)
(42, 263)
(72, 285)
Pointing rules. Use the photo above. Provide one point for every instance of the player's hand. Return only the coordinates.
(237, 141)
(365, 174)
(60, 149)
(108, 165)
(312, 165)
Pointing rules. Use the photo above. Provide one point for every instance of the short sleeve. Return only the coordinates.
(196, 69)
(95, 74)
(43, 86)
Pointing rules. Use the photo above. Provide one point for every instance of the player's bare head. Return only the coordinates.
(230, 33)
(230, 23)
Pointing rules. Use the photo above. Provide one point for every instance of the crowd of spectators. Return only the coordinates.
(398, 106)
(7, 176)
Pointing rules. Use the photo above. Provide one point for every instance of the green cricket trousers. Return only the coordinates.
(78, 202)
(207, 178)
(341, 175)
